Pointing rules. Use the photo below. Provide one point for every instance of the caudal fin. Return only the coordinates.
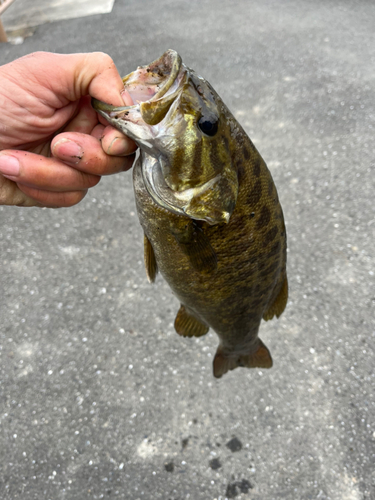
(225, 361)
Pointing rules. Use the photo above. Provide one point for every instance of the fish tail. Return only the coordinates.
(225, 361)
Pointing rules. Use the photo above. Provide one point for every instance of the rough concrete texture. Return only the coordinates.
(100, 398)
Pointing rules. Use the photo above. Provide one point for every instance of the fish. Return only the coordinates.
(212, 220)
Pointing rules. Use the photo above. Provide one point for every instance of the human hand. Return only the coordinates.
(53, 146)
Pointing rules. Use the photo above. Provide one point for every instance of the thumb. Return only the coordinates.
(97, 75)
(71, 76)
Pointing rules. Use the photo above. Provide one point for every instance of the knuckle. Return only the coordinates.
(92, 180)
(64, 200)
(115, 164)
(105, 58)
(75, 197)
(98, 165)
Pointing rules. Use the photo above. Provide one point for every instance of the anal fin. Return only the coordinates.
(187, 325)
(225, 361)
(150, 260)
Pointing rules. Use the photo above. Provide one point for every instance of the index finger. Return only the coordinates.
(84, 152)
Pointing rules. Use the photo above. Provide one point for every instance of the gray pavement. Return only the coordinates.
(99, 397)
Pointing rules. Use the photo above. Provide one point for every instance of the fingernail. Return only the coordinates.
(126, 97)
(68, 150)
(9, 165)
(118, 147)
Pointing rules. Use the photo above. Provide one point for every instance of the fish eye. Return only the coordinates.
(208, 126)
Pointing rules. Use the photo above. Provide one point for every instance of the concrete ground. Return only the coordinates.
(99, 397)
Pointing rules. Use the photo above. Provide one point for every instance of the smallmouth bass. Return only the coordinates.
(213, 225)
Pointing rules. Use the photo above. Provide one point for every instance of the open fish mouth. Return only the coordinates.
(162, 79)
(152, 88)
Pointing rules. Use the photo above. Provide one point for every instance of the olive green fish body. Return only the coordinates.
(211, 216)
(251, 260)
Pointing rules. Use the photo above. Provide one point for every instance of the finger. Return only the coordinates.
(122, 146)
(74, 76)
(10, 194)
(98, 76)
(84, 152)
(39, 172)
(98, 131)
(85, 120)
(23, 196)
(117, 144)
(126, 97)
(52, 199)
(113, 142)
(127, 100)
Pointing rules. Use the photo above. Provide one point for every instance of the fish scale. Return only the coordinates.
(210, 212)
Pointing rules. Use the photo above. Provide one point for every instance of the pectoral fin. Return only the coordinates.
(187, 325)
(196, 246)
(150, 260)
(225, 361)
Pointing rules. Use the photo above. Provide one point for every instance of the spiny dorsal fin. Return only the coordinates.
(187, 325)
(150, 260)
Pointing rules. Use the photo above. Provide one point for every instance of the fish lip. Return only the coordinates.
(174, 62)
(170, 60)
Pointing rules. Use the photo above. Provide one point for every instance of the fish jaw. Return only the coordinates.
(170, 104)
(152, 89)
(128, 120)
(148, 84)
